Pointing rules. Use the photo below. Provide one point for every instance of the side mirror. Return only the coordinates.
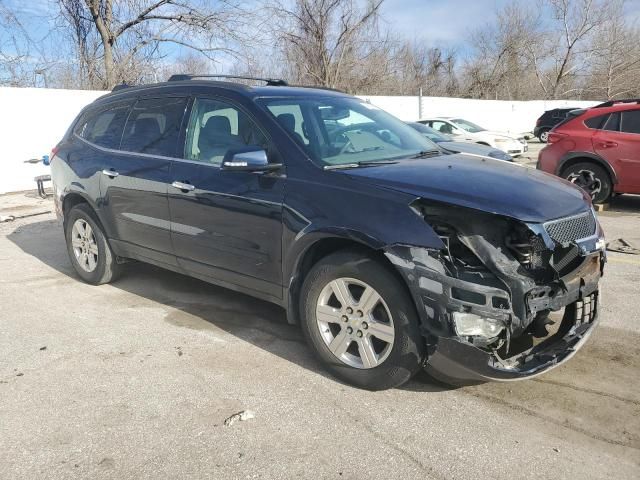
(248, 159)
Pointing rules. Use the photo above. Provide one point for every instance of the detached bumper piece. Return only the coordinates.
(456, 361)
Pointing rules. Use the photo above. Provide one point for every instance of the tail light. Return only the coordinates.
(47, 160)
(555, 137)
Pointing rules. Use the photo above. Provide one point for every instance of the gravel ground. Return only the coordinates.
(135, 380)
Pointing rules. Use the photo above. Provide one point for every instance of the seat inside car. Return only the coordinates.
(288, 121)
(216, 138)
(143, 136)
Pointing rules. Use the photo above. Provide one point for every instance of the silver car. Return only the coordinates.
(447, 143)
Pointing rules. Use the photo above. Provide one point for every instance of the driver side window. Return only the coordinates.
(215, 127)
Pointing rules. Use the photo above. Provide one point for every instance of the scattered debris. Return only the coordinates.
(180, 352)
(43, 348)
(11, 218)
(622, 246)
(239, 417)
(19, 374)
(556, 449)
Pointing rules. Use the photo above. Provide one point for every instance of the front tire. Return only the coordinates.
(361, 322)
(591, 178)
(87, 246)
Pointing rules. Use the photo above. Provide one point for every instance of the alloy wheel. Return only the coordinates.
(85, 247)
(544, 137)
(355, 323)
(586, 180)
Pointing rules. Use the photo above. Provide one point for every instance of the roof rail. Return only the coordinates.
(271, 82)
(120, 87)
(611, 103)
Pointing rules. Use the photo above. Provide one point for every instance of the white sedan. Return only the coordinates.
(464, 130)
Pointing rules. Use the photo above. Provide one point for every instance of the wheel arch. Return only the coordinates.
(577, 157)
(317, 249)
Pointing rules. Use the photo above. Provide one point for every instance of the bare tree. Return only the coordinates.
(23, 60)
(500, 64)
(124, 35)
(327, 42)
(420, 66)
(567, 51)
(615, 70)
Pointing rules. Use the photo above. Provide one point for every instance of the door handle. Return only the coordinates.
(110, 173)
(608, 144)
(185, 187)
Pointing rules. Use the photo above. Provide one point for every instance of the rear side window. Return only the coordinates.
(630, 121)
(103, 127)
(153, 126)
(596, 122)
(612, 123)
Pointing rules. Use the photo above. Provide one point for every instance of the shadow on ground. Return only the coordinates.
(199, 305)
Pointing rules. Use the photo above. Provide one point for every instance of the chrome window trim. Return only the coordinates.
(138, 154)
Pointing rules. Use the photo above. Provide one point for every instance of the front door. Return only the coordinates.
(134, 181)
(226, 225)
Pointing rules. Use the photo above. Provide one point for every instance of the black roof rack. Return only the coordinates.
(120, 87)
(271, 82)
(611, 103)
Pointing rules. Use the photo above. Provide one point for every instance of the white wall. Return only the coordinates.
(33, 120)
(505, 116)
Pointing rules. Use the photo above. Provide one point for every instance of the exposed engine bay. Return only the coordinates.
(495, 281)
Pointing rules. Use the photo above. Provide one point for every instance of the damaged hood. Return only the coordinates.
(493, 186)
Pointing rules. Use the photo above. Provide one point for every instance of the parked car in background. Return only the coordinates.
(392, 255)
(447, 143)
(465, 130)
(597, 149)
(548, 120)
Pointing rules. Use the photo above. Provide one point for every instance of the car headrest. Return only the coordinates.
(147, 128)
(288, 121)
(217, 125)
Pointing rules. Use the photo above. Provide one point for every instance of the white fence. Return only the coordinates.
(33, 120)
(501, 115)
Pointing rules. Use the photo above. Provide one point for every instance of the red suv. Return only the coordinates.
(597, 149)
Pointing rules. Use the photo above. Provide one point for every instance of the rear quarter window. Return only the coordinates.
(103, 126)
(596, 122)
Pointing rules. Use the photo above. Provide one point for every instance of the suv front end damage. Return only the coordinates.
(487, 295)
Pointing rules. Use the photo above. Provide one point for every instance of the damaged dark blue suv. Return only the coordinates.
(392, 254)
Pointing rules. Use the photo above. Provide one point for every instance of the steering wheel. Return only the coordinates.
(347, 147)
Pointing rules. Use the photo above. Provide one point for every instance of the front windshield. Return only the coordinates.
(468, 126)
(429, 132)
(344, 130)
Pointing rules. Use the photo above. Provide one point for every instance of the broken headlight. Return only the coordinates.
(471, 325)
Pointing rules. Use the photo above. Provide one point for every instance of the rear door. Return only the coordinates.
(619, 144)
(227, 225)
(135, 180)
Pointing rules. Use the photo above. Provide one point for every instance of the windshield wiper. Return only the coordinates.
(427, 153)
(363, 163)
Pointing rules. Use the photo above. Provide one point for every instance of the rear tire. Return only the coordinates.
(592, 178)
(88, 248)
(377, 349)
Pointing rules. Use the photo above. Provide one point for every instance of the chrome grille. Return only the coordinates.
(570, 229)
